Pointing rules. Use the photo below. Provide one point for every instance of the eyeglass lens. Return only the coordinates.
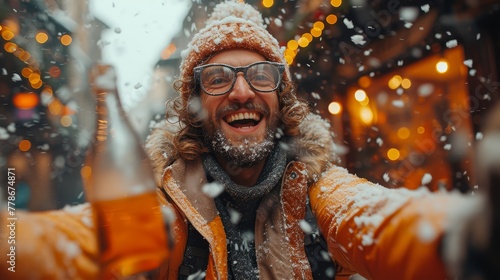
(219, 79)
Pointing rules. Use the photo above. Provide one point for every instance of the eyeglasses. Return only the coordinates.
(219, 79)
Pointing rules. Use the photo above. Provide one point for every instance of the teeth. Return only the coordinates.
(243, 116)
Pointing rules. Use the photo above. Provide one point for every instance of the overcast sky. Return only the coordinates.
(139, 31)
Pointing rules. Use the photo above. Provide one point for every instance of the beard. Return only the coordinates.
(248, 151)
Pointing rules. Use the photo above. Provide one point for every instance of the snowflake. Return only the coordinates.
(386, 177)
(16, 77)
(348, 23)
(426, 179)
(358, 39)
(305, 226)
(425, 8)
(451, 44)
(468, 63)
(398, 103)
(212, 189)
(3, 134)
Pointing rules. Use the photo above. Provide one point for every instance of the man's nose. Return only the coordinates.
(241, 92)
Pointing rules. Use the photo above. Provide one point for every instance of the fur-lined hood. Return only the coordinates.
(314, 146)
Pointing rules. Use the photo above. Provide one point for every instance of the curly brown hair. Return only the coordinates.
(188, 142)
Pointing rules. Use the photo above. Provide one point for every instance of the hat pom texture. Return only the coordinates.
(224, 11)
(232, 25)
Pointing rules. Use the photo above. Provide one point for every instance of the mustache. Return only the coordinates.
(262, 108)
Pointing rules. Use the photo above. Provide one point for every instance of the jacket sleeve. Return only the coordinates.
(48, 245)
(382, 233)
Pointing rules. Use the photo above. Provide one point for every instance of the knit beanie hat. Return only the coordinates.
(233, 24)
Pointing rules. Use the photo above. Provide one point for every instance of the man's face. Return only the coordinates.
(240, 125)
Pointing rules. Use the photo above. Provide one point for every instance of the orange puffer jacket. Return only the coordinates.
(377, 232)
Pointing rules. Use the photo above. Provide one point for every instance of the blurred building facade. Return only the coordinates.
(47, 50)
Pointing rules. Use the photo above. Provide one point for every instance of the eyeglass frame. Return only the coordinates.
(197, 75)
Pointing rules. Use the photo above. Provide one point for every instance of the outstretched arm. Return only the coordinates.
(49, 245)
(382, 233)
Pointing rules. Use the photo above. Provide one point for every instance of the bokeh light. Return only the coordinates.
(334, 108)
(366, 115)
(25, 100)
(442, 66)
(395, 82)
(403, 133)
(24, 145)
(41, 37)
(393, 154)
(336, 3)
(331, 19)
(267, 3)
(66, 40)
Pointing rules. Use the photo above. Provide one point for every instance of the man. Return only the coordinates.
(241, 127)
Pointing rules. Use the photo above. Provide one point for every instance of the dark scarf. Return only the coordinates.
(242, 263)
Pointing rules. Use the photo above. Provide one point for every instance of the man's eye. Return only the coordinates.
(262, 78)
(217, 80)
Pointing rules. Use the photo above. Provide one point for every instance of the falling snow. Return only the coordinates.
(348, 23)
(468, 63)
(479, 136)
(305, 226)
(316, 95)
(212, 189)
(398, 103)
(16, 77)
(234, 216)
(71, 249)
(168, 214)
(451, 44)
(425, 89)
(11, 127)
(278, 22)
(386, 177)
(358, 39)
(45, 147)
(426, 231)
(137, 189)
(426, 179)
(425, 8)
(408, 14)
(3, 134)
(367, 239)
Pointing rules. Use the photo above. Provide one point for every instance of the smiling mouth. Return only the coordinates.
(241, 120)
